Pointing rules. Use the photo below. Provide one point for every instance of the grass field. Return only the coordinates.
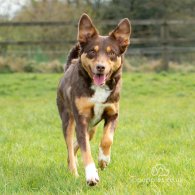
(153, 150)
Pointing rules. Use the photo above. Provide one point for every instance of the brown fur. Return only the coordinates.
(92, 57)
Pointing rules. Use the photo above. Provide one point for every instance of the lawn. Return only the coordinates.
(153, 150)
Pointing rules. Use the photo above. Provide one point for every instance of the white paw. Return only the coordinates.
(91, 173)
(103, 160)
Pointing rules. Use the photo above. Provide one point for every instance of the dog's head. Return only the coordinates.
(101, 56)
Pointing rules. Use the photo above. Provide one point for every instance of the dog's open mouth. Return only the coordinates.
(99, 79)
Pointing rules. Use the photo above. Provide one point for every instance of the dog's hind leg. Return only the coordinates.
(91, 134)
(68, 130)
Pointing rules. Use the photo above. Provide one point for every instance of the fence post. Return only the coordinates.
(164, 43)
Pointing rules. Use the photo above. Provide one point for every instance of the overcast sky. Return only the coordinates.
(10, 7)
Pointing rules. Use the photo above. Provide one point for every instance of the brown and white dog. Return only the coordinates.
(89, 92)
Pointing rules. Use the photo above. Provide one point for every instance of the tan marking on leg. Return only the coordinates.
(86, 155)
(76, 147)
(108, 134)
(111, 109)
(107, 140)
(105, 145)
(69, 142)
(91, 133)
(84, 106)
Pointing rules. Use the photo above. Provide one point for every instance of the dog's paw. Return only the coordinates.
(91, 173)
(103, 160)
(102, 164)
(73, 168)
(73, 171)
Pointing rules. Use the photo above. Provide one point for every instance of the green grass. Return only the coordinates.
(156, 128)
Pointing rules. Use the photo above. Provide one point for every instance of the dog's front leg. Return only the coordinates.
(91, 173)
(107, 140)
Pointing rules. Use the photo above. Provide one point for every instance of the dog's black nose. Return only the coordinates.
(100, 68)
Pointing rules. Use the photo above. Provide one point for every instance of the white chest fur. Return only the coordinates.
(100, 96)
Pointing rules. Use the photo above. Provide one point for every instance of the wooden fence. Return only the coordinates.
(164, 47)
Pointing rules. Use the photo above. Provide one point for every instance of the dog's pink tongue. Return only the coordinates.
(99, 79)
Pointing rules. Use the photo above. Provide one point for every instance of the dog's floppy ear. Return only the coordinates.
(122, 33)
(86, 29)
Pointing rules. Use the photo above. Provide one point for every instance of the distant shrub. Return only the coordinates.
(144, 64)
(53, 66)
(133, 64)
(11, 64)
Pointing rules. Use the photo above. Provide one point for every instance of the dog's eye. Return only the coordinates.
(112, 54)
(92, 53)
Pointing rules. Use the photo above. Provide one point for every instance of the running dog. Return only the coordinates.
(89, 92)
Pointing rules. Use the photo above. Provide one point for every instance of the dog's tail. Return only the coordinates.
(73, 54)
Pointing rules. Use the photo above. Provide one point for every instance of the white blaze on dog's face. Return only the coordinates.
(102, 55)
